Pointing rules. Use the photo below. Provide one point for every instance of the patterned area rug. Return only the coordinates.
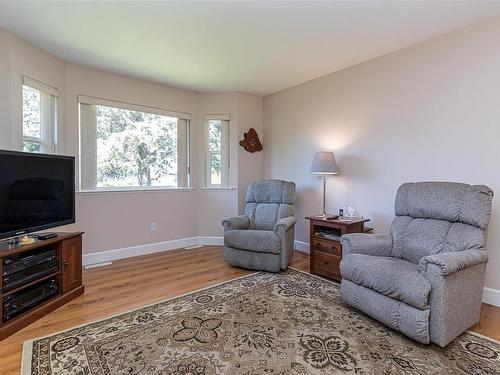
(288, 323)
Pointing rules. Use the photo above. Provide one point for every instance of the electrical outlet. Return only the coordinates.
(152, 227)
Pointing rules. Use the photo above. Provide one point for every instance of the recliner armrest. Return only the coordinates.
(236, 222)
(285, 223)
(455, 261)
(368, 244)
(285, 230)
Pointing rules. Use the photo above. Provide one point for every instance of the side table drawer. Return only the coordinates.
(329, 246)
(327, 264)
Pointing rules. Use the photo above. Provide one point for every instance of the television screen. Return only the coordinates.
(37, 192)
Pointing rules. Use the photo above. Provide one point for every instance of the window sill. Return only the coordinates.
(128, 191)
(214, 188)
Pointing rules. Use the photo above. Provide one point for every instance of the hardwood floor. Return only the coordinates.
(135, 282)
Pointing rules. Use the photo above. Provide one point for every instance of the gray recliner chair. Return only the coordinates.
(426, 278)
(263, 238)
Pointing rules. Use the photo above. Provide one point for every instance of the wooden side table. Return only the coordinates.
(324, 243)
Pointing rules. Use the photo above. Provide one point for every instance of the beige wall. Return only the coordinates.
(4, 90)
(118, 220)
(250, 165)
(42, 66)
(18, 58)
(428, 112)
(214, 204)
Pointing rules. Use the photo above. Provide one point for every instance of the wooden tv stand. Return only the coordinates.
(68, 277)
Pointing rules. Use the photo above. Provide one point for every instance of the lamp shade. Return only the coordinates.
(324, 163)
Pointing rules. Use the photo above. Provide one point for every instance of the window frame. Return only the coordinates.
(48, 134)
(225, 152)
(89, 100)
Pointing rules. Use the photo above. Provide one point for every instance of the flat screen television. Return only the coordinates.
(37, 192)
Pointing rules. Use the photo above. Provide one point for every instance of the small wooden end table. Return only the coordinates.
(324, 243)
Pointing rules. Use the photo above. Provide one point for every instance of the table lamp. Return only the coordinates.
(324, 164)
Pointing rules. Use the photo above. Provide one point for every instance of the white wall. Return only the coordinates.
(428, 112)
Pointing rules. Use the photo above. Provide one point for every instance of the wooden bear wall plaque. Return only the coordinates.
(251, 141)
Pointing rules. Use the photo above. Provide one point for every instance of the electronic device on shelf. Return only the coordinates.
(23, 268)
(37, 279)
(16, 303)
(37, 191)
(39, 272)
(46, 236)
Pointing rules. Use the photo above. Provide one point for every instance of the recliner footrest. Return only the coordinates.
(398, 315)
(252, 260)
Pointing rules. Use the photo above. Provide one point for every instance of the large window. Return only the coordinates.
(126, 146)
(217, 150)
(39, 116)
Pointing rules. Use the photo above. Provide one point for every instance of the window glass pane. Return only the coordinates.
(215, 169)
(135, 148)
(32, 112)
(214, 135)
(217, 151)
(29, 146)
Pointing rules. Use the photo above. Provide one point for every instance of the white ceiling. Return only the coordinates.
(254, 47)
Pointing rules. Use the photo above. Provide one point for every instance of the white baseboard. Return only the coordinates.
(157, 247)
(210, 241)
(133, 251)
(301, 246)
(491, 296)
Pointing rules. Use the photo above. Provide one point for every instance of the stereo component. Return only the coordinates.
(16, 303)
(21, 269)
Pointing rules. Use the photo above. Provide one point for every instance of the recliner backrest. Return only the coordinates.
(268, 201)
(435, 217)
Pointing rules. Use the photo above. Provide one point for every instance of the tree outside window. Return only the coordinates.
(135, 148)
(39, 116)
(125, 147)
(217, 150)
(38, 120)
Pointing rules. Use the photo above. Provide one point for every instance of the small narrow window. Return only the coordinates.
(217, 150)
(39, 117)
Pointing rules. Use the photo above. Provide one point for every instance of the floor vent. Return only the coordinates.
(97, 265)
(193, 247)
